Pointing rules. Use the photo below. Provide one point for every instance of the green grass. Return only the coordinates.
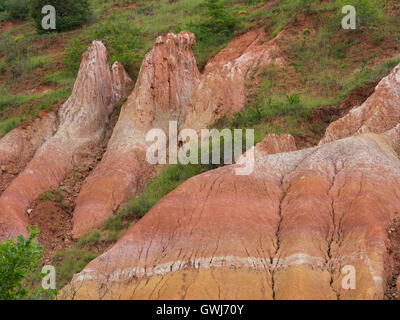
(367, 74)
(34, 104)
(131, 33)
(50, 98)
(9, 124)
(170, 178)
(43, 62)
(266, 109)
(69, 262)
(323, 60)
(62, 78)
(15, 100)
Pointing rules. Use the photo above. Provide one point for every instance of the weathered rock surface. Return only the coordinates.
(82, 121)
(169, 87)
(167, 79)
(277, 144)
(19, 145)
(283, 232)
(381, 112)
(222, 88)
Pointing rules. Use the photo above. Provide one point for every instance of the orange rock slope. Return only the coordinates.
(290, 230)
(283, 232)
(81, 122)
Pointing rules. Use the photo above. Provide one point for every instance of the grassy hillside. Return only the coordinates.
(37, 71)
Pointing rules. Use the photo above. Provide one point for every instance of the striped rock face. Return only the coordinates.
(166, 81)
(284, 232)
(80, 122)
(381, 112)
(222, 89)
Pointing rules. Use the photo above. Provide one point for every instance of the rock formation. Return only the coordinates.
(379, 113)
(169, 88)
(19, 145)
(284, 232)
(82, 120)
(167, 79)
(222, 88)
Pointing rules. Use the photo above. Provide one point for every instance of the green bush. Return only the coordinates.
(70, 262)
(70, 14)
(19, 262)
(15, 9)
(215, 31)
(170, 178)
(16, 51)
(265, 109)
(220, 20)
(124, 42)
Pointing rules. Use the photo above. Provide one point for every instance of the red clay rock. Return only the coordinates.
(273, 144)
(222, 88)
(381, 112)
(283, 232)
(167, 79)
(82, 121)
(18, 146)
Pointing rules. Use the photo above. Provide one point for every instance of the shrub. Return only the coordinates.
(215, 31)
(220, 20)
(70, 14)
(264, 109)
(16, 52)
(16, 9)
(170, 178)
(124, 41)
(70, 262)
(19, 262)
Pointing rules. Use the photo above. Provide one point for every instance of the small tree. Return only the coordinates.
(15, 9)
(70, 14)
(19, 261)
(220, 21)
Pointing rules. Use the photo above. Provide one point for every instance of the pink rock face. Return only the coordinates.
(277, 144)
(284, 232)
(379, 113)
(18, 146)
(82, 120)
(167, 79)
(222, 88)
